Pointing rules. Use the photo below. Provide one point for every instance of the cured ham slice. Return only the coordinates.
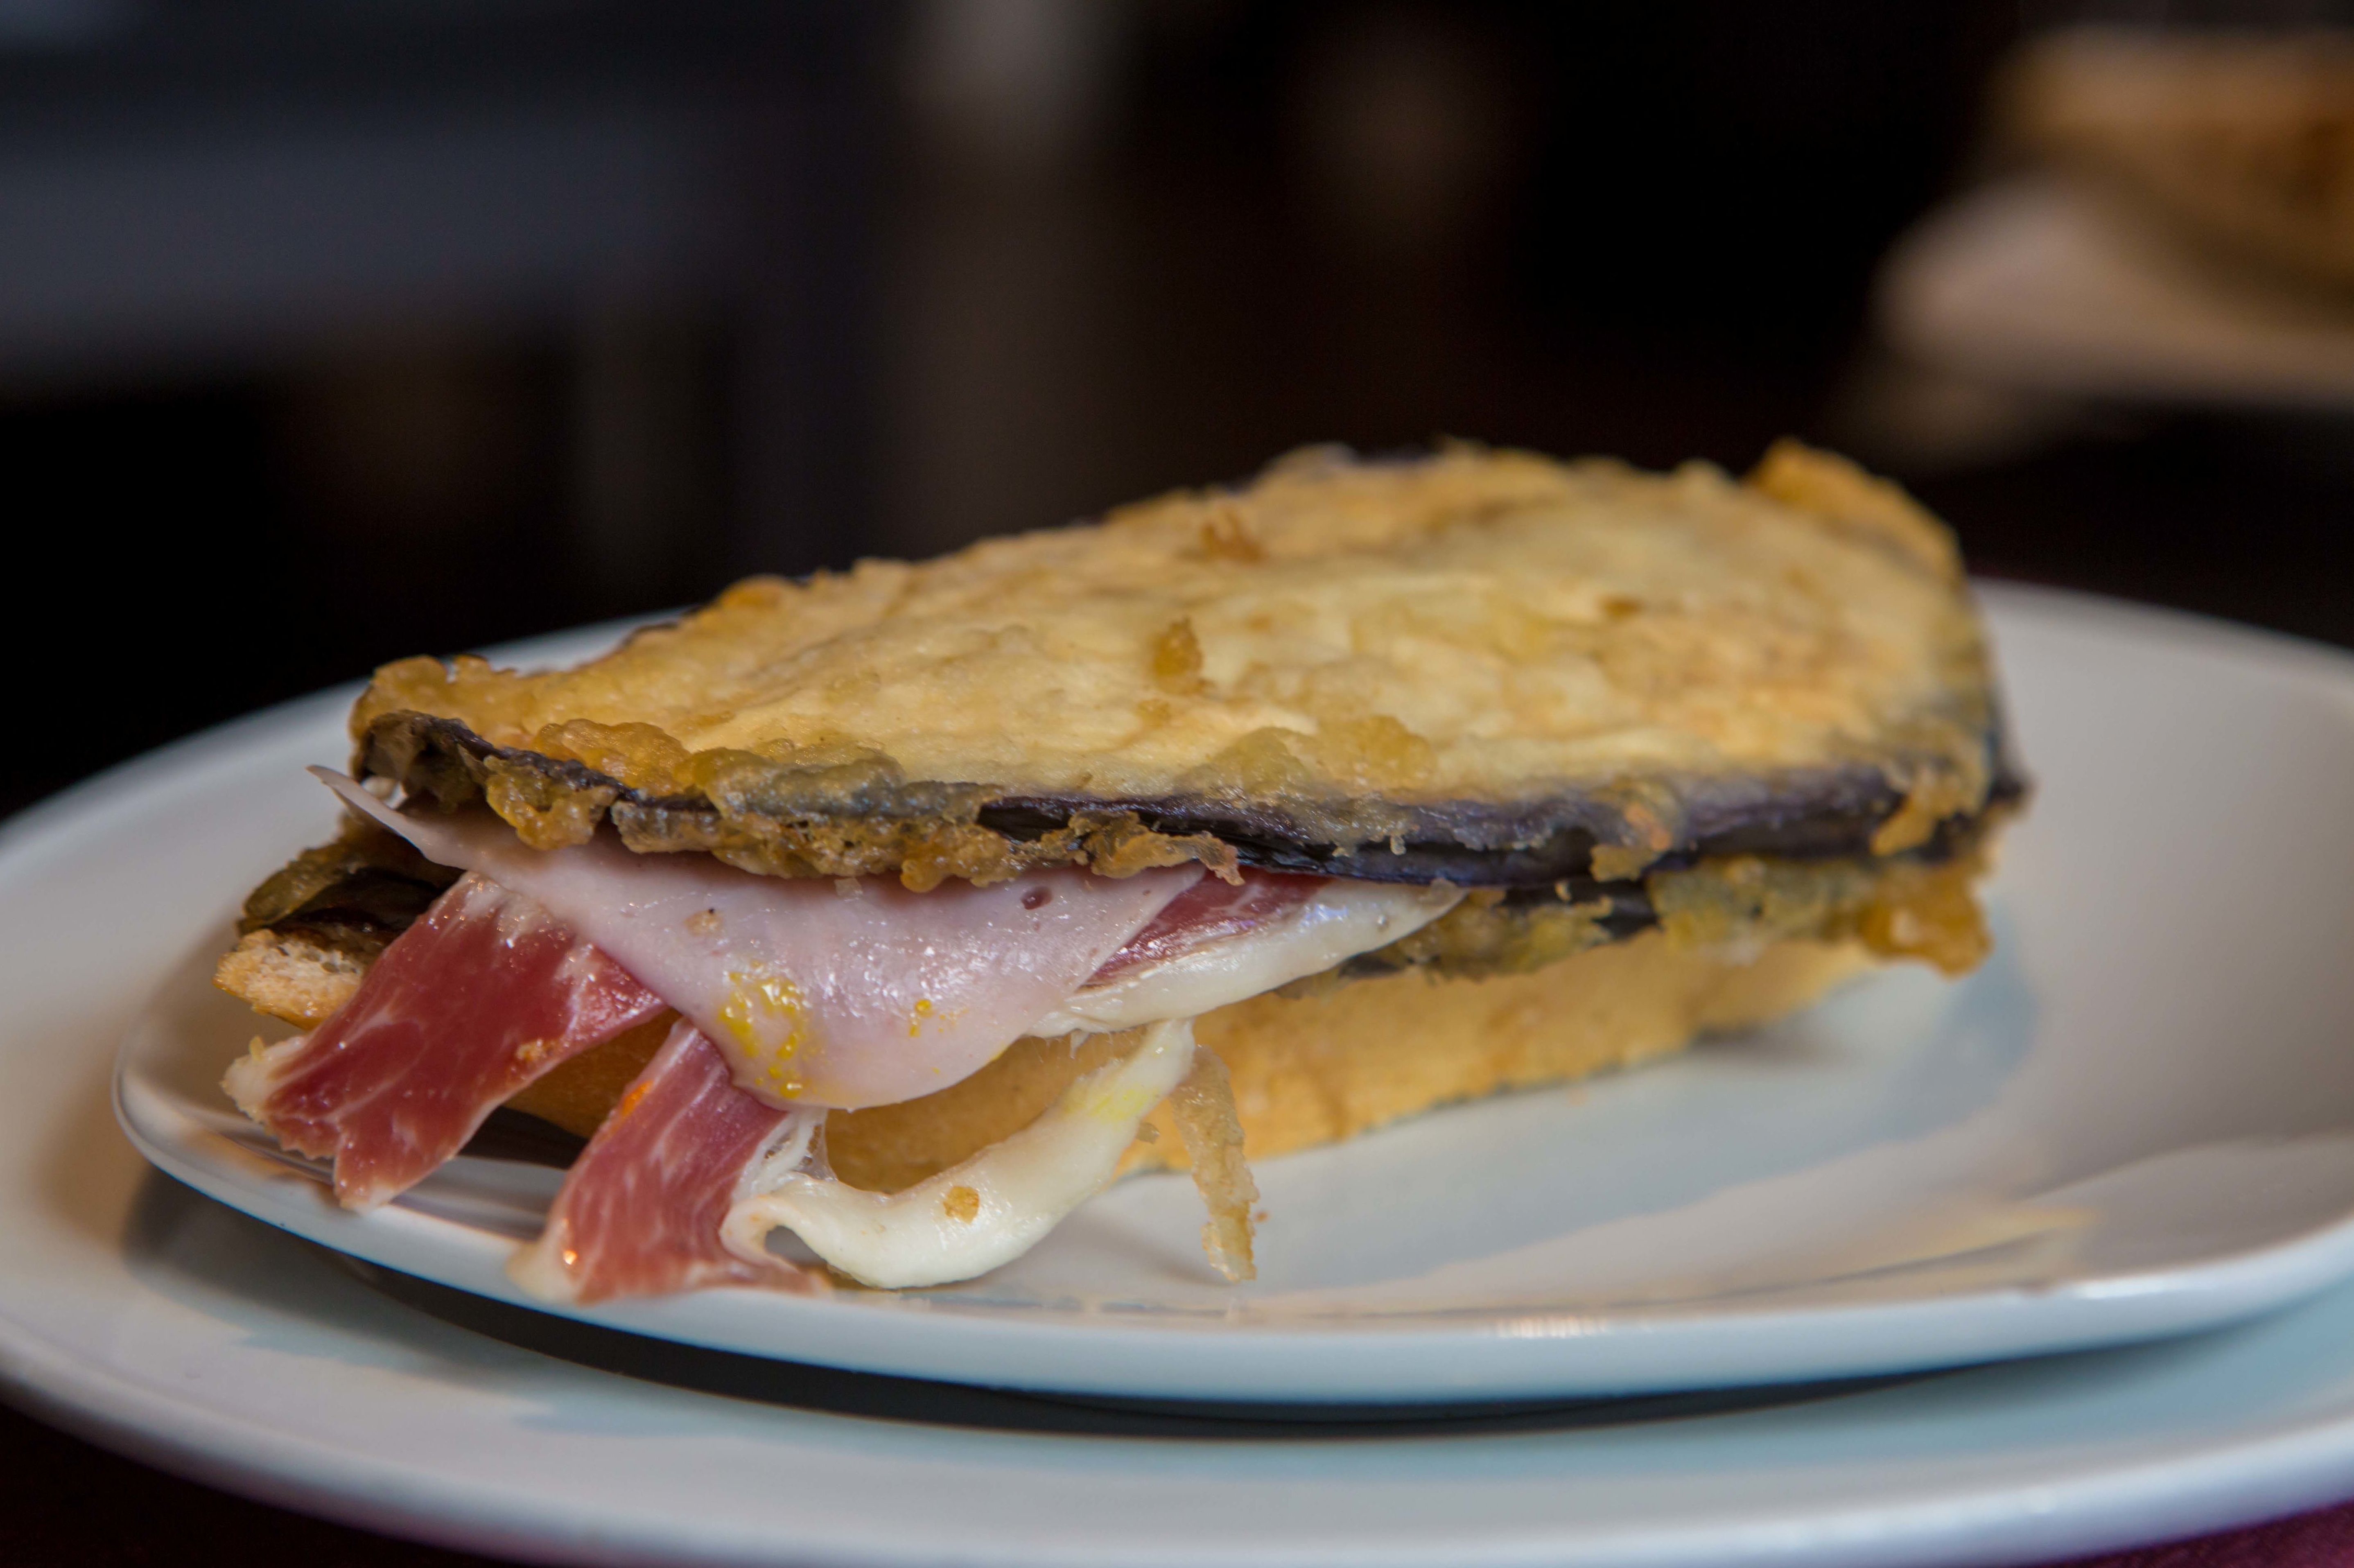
(642, 1210)
(844, 994)
(473, 1002)
(1209, 911)
(1215, 944)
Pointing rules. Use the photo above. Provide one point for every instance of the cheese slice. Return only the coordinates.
(990, 1209)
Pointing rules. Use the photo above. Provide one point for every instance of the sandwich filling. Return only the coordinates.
(792, 998)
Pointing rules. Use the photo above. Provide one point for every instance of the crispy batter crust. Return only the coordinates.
(1481, 665)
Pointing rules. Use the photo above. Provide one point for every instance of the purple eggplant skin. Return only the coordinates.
(1816, 814)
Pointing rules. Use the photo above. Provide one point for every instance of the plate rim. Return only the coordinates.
(2163, 1498)
(1230, 1364)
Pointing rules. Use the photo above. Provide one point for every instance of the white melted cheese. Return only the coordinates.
(990, 1209)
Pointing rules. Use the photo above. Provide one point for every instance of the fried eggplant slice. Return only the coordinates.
(1483, 667)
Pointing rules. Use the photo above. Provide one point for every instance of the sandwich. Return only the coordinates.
(901, 909)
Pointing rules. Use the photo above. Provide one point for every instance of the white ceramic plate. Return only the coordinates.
(2137, 1119)
(174, 1328)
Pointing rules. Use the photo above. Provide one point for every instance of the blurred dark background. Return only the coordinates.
(330, 335)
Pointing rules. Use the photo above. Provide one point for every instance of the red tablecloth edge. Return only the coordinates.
(2323, 1539)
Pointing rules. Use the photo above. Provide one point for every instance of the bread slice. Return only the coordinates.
(1321, 1068)
(291, 976)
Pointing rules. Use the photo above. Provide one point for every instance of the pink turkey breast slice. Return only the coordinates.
(467, 1006)
(842, 994)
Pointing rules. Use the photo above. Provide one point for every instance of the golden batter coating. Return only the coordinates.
(1488, 646)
